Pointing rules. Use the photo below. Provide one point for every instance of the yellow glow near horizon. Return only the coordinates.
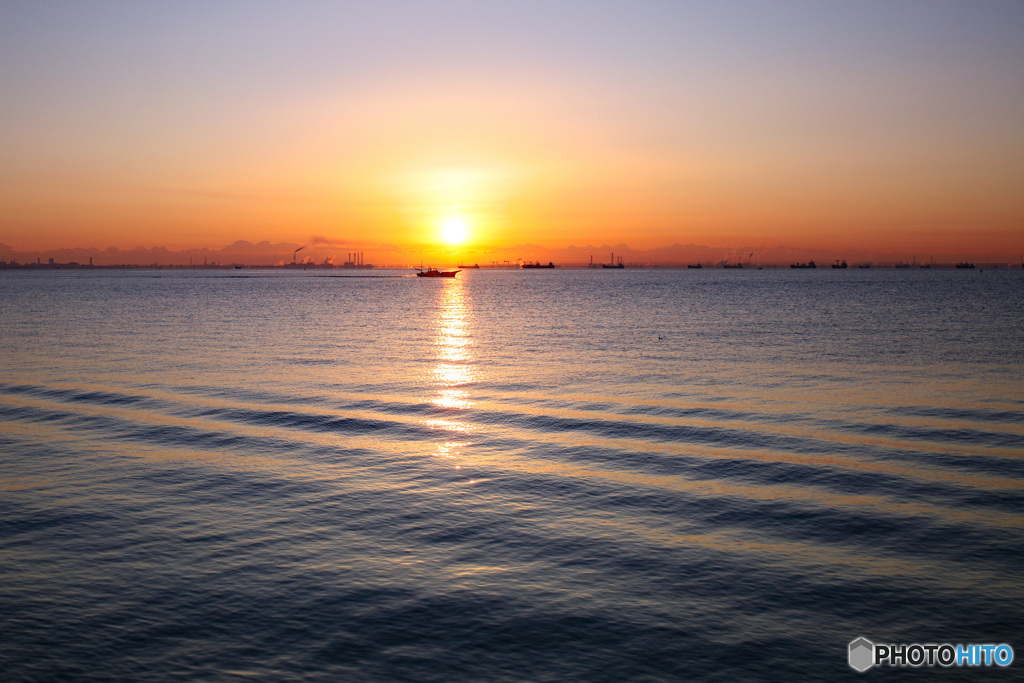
(454, 230)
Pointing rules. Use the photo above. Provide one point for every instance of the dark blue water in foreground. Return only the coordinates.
(515, 475)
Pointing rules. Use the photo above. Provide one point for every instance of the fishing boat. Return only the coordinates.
(434, 272)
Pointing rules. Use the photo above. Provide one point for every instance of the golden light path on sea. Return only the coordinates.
(453, 368)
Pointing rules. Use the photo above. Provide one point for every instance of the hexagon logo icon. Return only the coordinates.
(862, 654)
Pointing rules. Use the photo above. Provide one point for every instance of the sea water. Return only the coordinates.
(567, 475)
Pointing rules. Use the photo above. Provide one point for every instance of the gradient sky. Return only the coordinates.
(812, 124)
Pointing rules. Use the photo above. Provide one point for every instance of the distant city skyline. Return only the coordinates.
(448, 127)
(267, 253)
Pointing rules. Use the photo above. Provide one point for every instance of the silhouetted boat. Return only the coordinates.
(537, 265)
(732, 265)
(864, 265)
(694, 265)
(809, 264)
(965, 264)
(839, 264)
(434, 272)
(475, 266)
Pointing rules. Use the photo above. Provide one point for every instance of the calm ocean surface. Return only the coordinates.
(511, 476)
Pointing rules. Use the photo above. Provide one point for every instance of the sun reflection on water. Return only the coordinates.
(453, 369)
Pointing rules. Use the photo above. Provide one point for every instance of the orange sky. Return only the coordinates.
(888, 125)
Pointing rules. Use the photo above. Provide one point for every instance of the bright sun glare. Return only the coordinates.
(454, 230)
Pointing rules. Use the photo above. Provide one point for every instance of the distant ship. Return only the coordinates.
(694, 265)
(809, 264)
(434, 272)
(538, 264)
(612, 263)
(965, 264)
(839, 264)
(732, 265)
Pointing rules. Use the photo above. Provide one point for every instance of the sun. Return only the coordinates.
(454, 230)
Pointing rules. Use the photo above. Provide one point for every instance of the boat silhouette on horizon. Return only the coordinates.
(434, 272)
